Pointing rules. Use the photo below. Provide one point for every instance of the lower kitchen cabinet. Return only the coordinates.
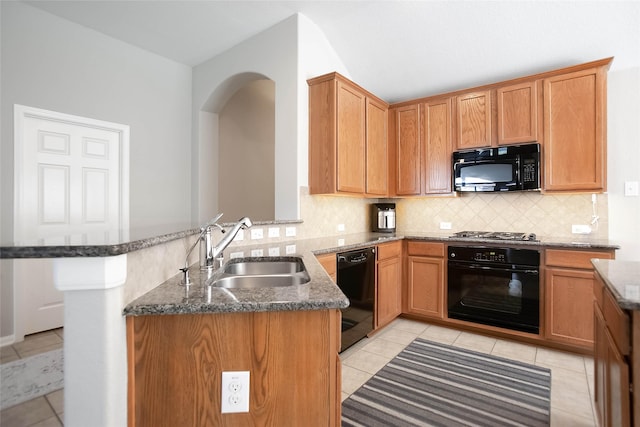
(568, 289)
(425, 279)
(611, 360)
(175, 365)
(388, 301)
(328, 262)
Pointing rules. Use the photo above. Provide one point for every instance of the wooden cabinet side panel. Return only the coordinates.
(322, 138)
(618, 408)
(517, 113)
(574, 126)
(377, 149)
(568, 306)
(438, 146)
(329, 263)
(179, 360)
(350, 149)
(600, 354)
(473, 120)
(407, 142)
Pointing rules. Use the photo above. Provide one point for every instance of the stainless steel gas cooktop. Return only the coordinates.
(495, 235)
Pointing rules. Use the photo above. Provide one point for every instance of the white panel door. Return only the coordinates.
(69, 190)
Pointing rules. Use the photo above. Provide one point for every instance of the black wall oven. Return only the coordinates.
(495, 286)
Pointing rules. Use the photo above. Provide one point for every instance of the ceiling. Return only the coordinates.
(398, 50)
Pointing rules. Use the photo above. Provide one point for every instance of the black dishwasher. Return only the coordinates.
(356, 279)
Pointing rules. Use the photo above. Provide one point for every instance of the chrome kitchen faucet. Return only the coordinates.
(209, 252)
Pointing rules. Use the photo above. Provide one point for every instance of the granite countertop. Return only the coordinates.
(318, 294)
(623, 280)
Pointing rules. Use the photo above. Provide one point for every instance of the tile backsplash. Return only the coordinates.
(528, 212)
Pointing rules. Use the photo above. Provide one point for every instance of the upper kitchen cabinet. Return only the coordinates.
(404, 130)
(437, 146)
(347, 138)
(575, 153)
(473, 120)
(420, 145)
(518, 113)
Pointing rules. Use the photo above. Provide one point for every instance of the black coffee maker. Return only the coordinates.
(383, 217)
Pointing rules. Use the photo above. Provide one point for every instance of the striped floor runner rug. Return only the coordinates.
(431, 384)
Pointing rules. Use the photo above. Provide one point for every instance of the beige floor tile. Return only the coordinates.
(38, 343)
(8, 354)
(355, 347)
(27, 413)
(561, 359)
(566, 383)
(475, 342)
(384, 347)
(409, 325)
(352, 379)
(49, 422)
(56, 400)
(397, 335)
(366, 361)
(344, 396)
(515, 351)
(440, 334)
(571, 401)
(560, 418)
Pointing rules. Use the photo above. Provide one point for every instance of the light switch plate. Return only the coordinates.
(274, 231)
(631, 188)
(256, 234)
(290, 231)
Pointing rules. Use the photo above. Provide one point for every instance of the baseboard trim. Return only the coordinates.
(7, 340)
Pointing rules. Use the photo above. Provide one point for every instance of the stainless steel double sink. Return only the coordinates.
(255, 273)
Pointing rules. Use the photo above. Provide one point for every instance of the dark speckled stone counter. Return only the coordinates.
(318, 294)
(623, 280)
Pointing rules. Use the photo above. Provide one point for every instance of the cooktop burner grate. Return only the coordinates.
(495, 235)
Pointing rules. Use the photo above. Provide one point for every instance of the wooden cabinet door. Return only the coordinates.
(473, 120)
(376, 149)
(388, 291)
(350, 139)
(425, 279)
(575, 131)
(436, 166)
(408, 151)
(517, 113)
(569, 306)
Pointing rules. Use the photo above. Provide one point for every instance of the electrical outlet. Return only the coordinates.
(290, 231)
(235, 392)
(257, 252)
(290, 249)
(256, 234)
(445, 226)
(274, 251)
(274, 231)
(580, 229)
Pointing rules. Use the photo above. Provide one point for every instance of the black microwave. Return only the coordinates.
(506, 168)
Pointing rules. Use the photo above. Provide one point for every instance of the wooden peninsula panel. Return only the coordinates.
(176, 364)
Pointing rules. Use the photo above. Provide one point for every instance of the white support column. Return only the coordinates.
(95, 345)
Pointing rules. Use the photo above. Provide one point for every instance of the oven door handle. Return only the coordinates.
(504, 270)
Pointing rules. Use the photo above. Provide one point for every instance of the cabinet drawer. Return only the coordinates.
(425, 248)
(617, 322)
(574, 259)
(389, 250)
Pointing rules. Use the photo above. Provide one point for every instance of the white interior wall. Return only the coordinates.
(54, 64)
(272, 54)
(623, 140)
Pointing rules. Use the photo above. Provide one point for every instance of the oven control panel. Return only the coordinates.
(489, 256)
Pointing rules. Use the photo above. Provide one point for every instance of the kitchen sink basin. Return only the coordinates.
(256, 273)
(264, 266)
